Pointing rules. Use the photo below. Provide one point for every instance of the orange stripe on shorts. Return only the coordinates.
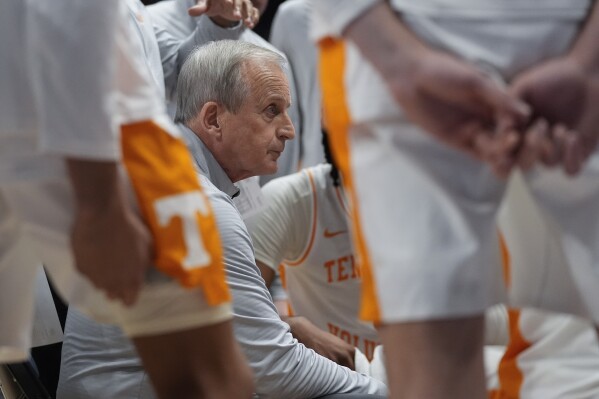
(505, 260)
(511, 377)
(337, 121)
(179, 216)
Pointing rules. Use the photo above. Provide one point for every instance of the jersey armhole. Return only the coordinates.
(308, 247)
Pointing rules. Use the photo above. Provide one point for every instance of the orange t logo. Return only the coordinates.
(186, 239)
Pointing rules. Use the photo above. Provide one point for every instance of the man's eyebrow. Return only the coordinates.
(278, 98)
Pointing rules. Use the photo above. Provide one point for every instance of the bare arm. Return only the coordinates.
(585, 49)
(110, 243)
(322, 342)
(268, 274)
(449, 98)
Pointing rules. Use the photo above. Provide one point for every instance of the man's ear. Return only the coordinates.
(209, 119)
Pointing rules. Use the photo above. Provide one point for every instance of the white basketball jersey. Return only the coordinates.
(324, 283)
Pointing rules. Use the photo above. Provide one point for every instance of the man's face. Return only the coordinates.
(255, 136)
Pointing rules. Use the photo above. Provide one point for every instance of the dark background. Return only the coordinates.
(263, 27)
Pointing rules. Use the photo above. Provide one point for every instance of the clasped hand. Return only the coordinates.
(544, 116)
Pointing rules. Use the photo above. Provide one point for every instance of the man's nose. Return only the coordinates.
(286, 131)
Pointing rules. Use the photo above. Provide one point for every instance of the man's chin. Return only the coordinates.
(271, 169)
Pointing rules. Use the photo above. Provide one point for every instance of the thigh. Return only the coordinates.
(539, 274)
(571, 208)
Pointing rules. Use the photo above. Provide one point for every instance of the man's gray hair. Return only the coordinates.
(214, 72)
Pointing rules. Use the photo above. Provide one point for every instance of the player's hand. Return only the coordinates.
(565, 95)
(225, 12)
(322, 342)
(457, 103)
(113, 249)
(449, 98)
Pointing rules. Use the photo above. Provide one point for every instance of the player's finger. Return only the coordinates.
(573, 154)
(531, 148)
(552, 150)
(503, 104)
(246, 13)
(201, 7)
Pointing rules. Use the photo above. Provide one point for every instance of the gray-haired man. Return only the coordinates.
(232, 107)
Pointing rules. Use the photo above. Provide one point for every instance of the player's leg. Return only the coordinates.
(179, 319)
(569, 210)
(450, 352)
(203, 362)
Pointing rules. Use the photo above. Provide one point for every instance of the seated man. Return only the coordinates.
(180, 28)
(304, 233)
(232, 103)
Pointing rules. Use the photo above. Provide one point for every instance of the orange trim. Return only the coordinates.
(505, 261)
(341, 201)
(161, 170)
(337, 120)
(511, 377)
(283, 277)
(313, 232)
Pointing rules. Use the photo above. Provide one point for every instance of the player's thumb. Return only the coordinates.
(200, 8)
(505, 104)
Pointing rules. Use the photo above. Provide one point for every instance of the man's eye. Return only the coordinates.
(272, 110)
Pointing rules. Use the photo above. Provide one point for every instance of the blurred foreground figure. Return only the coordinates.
(426, 103)
(87, 166)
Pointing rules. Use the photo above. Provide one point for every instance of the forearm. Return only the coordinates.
(585, 49)
(385, 41)
(331, 17)
(96, 186)
(284, 368)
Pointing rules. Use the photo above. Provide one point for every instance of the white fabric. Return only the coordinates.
(331, 17)
(497, 326)
(540, 275)
(35, 124)
(492, 355)
(142, 25)
(562, 359)
(448, 246)
(72, 74)
(290, 33)
(493, 9)
(55, 104)
(322, 279)
(16, 309)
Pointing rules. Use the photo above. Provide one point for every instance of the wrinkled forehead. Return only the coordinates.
(266, 78)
